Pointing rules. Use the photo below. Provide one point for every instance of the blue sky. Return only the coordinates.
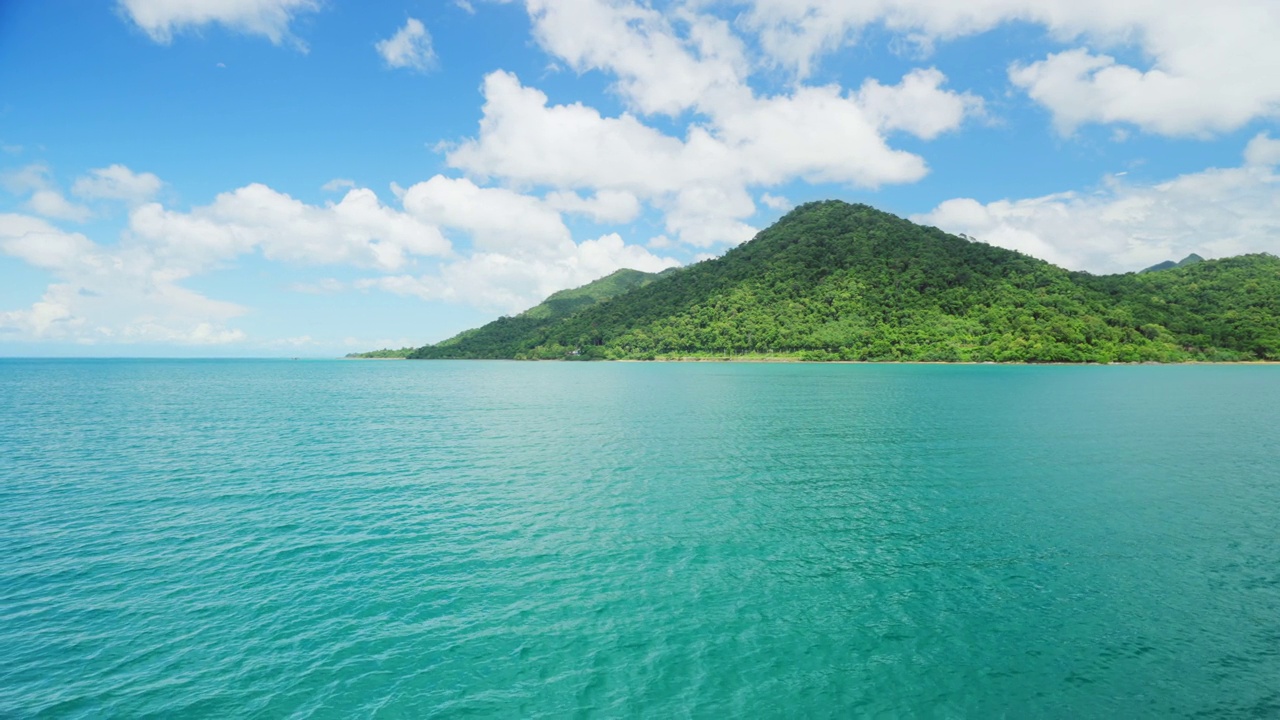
(313, 177)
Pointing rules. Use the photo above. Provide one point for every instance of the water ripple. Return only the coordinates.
(339, 539)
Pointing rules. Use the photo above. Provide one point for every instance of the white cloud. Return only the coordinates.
(27, 179)
(133, 292)
(689, 64)
(358, 230)
(496, 219)
(46, 199)
(410, 47)
(1080, 87)
(526, 142)
(918, 105)
(1262, 151)
(41, 244)
(1124, 227)
(499, 282)
(564, 146)
(51, 204)
(605, 206)
(1204, 58)
(819, 134)
(338, 185)
(50, 313)
(775, 202)
(160, 19)
(658, 70)
(706, 215)
(117, 182)
(118, 295)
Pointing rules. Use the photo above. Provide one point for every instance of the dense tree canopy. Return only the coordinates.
(832, 281)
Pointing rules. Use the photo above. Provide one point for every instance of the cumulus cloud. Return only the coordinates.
(41, 244)
(410, 47)
(1202, 75)
(817, 134)
(707, 215)
(507, 283)
(132, 291)
(495, 218)
(117, 182)
(1262, 150)
(519, 251)
(358, 230)
(775, 202)
(52, 204)
(701, 181)
(659, 70)
(27, 179)
(45, 198)
(161, 19)
(1125, 227)
(604, 206)
(525, 140)
(918, 105)
(121, 294)
(693, 66)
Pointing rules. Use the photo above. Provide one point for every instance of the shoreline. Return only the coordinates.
(788, 360)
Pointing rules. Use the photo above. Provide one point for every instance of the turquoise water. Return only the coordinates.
(445, 539)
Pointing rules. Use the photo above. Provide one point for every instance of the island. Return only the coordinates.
(839, 281)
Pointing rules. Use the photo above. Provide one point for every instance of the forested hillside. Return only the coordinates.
(832, 280)
(508, 331)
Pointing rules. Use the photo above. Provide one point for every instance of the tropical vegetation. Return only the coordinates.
(835, 281)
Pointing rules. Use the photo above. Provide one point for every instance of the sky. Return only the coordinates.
(316, 177)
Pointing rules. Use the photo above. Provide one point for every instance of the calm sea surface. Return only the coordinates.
(333, 539)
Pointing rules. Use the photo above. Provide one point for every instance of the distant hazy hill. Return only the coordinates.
(1169, 264)
(837, 281)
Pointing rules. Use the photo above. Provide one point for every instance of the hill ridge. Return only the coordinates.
(832, 280)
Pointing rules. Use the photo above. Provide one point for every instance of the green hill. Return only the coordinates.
(567, 302)
(505, 332)
(832, 280)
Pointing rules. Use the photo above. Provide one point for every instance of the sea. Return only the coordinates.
(440, 539)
